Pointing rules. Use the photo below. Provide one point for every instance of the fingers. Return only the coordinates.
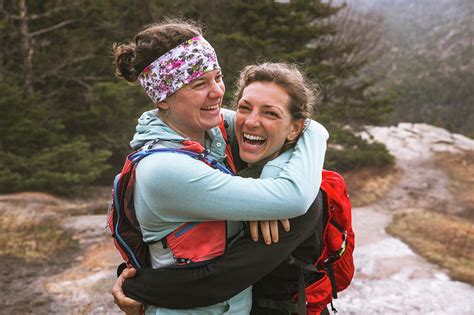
(119, 297)
(128, 273)
(265, 228)
(269, 231)
(274, 230)
(126, 304)
(286, 224)
(254, 230)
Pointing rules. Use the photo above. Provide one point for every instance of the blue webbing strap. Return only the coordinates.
(117, 235)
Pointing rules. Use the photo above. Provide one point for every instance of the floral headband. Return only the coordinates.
(178, 67)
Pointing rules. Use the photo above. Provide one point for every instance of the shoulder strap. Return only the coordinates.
(228, 151)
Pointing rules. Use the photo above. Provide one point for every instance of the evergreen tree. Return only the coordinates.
(307, 33)
(61, 103)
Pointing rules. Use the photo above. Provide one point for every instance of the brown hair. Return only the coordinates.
(149, 44)
(301, 90)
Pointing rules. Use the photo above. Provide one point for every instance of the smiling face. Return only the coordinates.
(264, 122)
(195, 107)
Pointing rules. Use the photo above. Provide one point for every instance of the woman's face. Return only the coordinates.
(195, 107)
(264, 122)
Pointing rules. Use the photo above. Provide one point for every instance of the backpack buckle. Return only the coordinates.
(203, 154)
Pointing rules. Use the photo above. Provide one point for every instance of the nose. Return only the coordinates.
(252, 120)
(217, 90)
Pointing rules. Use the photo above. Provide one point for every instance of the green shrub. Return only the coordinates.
(352, 152)
(60, 169)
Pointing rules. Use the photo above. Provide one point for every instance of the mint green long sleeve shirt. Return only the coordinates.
(175, 188)
(172, 189)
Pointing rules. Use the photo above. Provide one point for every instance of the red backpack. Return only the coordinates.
(335, 265)
(193, 242)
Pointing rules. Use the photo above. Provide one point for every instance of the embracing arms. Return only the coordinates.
(241, 266)
(178, 188)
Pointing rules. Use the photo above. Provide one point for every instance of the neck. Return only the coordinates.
(193, 136)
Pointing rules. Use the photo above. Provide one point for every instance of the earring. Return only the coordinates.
(165, 112)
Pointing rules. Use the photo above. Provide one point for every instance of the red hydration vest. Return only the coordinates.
(193, 242)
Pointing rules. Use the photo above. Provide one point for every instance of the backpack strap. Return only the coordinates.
(228, 150)
(302, 284)
(292, 260)
(121, 215)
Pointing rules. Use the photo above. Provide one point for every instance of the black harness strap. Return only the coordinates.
(333, 280)
(292, 260)
(301, 293)
(282, 306)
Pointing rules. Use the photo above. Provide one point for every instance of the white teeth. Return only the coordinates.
(211, 107)
(253, 137)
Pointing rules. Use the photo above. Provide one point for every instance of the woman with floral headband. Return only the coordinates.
(179, 70)
(270, 98)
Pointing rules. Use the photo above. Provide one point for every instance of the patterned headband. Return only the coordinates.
(178, 67)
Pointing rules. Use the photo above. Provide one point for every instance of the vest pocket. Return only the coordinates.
(197, 241)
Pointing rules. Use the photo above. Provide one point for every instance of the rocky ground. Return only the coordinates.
(390, 277)
(73, 281)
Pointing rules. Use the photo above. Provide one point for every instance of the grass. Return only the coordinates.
(460, 168)
(445, 239)
(32, 241)
(442, 239)
(367, 185)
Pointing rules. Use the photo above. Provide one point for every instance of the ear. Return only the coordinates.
(163, 105)
(296, 128)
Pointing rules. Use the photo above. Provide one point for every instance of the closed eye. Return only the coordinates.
(273, 114)
(243, 108)
(199, 85)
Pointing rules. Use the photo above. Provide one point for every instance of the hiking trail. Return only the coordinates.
(390, 277)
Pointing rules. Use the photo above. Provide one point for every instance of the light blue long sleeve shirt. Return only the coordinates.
(172, 189)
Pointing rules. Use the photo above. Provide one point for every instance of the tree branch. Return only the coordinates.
(46, 14)
(52, 28)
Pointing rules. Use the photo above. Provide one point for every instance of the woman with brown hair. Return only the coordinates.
(179, 70)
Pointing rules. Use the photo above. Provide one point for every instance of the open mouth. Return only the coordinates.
(212, 107)
(253, 140)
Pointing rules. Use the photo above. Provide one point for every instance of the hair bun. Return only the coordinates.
(124, 56)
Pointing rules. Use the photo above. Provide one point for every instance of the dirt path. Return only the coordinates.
(390, 277)
(84, 288)
(74, 281)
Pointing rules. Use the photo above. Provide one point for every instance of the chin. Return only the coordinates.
(250, 159)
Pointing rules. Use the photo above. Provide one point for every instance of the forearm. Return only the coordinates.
(174, 194)
(241, 266)
(304, 169)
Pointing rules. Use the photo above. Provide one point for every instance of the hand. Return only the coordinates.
(127, 305)
(269, 230)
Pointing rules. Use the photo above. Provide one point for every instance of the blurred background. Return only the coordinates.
(66, 120)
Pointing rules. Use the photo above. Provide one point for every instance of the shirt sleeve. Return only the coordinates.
(243, 264)
(178, 188)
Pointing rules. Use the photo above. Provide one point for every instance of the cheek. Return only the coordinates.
(278, 133)
(222, 86)
(239, 121)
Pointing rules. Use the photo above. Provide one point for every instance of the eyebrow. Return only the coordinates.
(265, 105)
(203, 79)
(275, 107)
(198, 80)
